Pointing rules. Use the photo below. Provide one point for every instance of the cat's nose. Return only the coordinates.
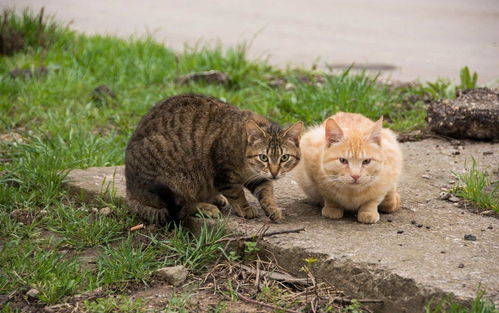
(274, 170)
(355, 177)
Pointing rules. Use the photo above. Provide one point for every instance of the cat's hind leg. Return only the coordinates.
(151, 215)
(391, 202)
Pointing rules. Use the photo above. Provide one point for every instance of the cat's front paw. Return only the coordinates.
(275, 215)
(221, 202)
(209, 210)
(368, 217)
(246, 212)
(333, 213)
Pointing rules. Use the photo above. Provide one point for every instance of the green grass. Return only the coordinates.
(478, 305)
(109, 305)
(476, 186)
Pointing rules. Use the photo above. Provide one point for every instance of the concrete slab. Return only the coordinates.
(406, 40)
(405, 259)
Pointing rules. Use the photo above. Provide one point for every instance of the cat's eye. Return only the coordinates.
(285, 158)
(366, 161)
(343, 161)
(263, 157)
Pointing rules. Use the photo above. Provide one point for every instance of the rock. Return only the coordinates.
(453, 199)
(175, 275)
(33, 293)
(425, 176)
(445, 195)
(470, 237)
(209, 77)
(473, 114)
(461, 265)
(105, 211)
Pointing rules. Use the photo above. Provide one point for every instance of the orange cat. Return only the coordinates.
(351, 163)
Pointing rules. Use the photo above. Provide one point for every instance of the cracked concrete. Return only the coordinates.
(406, 259)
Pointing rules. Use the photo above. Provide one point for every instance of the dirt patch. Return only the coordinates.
(473, 114)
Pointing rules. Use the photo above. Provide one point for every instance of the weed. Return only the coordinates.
(177, 303)
(467, 80)
(126, 262)
(448, 305)
(48, 271)
(475, 186)
(28, 30)
(354, 307)
(195, 252)
(114, 304)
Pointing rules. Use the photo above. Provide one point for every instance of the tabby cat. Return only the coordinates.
(194, 152)
(351, 163)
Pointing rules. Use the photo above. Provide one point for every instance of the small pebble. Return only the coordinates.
(428, 227)
(105, 211)
(445, 195)
(461, 265)
(400, 231)
(33, 293)
(389, 220)
(453, 199)
(425, 176)
(488, 153)
(443, 252)
(413, 222)
(452, 182)
(470, 237)
(456, 153)
(490, 227)
(419, 225)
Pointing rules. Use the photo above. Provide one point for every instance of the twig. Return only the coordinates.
(277, 276)
(363, 301)
(257, 276)
(264, 234)
(246, 299)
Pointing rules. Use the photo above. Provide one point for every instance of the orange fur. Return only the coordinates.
(350, 138)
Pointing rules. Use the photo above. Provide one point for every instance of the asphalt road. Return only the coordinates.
(406, 39)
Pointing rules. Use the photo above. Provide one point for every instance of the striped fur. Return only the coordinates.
(193, 152)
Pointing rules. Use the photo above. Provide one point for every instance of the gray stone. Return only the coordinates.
(393, 261)
(174, 275)
(33, 293)
(105, 211)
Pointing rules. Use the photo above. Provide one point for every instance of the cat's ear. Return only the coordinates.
(253, 131)
(375, 135)
(293, 132)
(334, 133)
